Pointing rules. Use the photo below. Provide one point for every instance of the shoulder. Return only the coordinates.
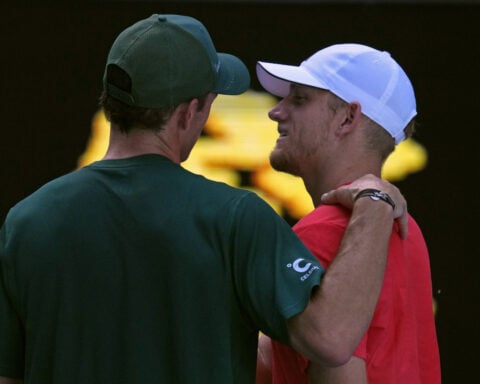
(322, 230)
(332, 215)
(219, 193)
(52, 189)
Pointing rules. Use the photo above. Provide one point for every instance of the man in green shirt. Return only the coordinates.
(134, 270)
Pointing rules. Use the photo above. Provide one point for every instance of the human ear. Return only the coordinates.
(186, 113)
(347, 118)
(352, 113)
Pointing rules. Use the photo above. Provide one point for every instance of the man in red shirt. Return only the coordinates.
(342, 112)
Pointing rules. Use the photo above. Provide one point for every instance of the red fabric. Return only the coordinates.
(401, 344)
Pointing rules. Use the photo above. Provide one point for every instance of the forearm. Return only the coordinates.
(341, 309)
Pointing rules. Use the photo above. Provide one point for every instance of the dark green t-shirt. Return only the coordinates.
(136, 271)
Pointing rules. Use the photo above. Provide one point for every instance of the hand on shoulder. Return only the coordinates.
(346, 195)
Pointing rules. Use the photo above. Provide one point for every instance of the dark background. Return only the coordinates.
(52, 58)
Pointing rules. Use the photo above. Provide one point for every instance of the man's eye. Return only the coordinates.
(298, 98)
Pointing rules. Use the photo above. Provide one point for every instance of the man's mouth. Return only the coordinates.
(282, 132)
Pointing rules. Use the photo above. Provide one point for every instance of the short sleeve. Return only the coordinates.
(321, 234)
(274, 272)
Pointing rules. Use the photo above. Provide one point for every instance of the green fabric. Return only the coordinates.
(171, 59)
(138, 271)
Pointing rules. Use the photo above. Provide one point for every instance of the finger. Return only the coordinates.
(341, 196)
(403, 223)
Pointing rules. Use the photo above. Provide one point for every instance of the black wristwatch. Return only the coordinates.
(375, 195)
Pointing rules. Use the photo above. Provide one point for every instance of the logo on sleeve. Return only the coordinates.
(302, 266)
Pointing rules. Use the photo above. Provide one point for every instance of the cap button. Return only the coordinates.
(162, 18)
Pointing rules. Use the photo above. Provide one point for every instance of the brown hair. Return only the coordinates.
(127, 117)
(380, 141)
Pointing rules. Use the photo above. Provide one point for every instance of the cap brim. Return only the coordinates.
(233, 77)
(276, 78)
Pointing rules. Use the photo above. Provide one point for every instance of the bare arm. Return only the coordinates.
(6, 380)
(353, 372)
(264, 360)
(340, 310)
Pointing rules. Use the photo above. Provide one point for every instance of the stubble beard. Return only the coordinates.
(282, 162)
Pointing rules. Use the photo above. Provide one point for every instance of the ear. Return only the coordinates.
(350, 116)
(186, 113)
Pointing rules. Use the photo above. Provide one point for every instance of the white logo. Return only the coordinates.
(298, 268)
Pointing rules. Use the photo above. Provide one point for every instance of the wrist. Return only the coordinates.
(375, 195)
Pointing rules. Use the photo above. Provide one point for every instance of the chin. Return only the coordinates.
(280, 162)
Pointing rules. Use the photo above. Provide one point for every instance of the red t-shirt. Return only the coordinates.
(400, 345)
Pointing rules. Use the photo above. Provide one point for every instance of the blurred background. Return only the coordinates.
(52, 60)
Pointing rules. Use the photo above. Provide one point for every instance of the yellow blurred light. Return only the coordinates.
(238, 139)
(409, 157)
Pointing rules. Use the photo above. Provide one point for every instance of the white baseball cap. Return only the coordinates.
(353, 72)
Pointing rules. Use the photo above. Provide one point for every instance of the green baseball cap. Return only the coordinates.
(171, 59)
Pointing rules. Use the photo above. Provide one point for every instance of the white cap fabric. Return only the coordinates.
(353, 72)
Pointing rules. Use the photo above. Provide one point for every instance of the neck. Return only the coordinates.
(139, 142)
(332, 176)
